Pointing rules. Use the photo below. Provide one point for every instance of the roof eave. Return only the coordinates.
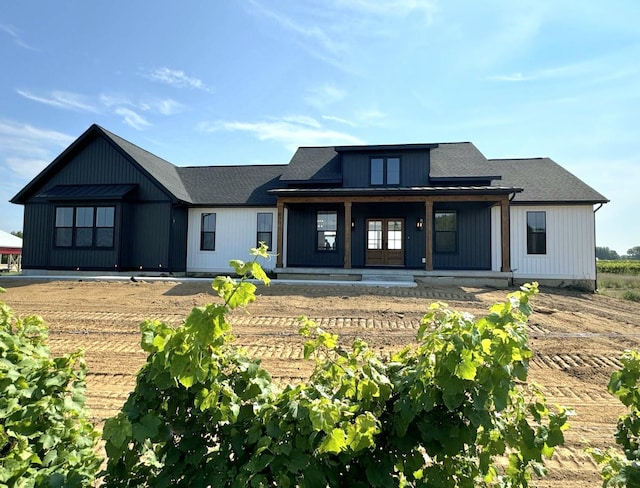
(385, 147)
(559, 202)
(19, 198)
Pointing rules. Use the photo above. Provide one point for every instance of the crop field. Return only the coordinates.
(577, 339)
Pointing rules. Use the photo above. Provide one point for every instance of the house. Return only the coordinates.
(11, 247)
(424, 210)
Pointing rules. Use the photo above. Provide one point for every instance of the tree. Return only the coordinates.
(606, 253)
(17, 233)
(634, 253)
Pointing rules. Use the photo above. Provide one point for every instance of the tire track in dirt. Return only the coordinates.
(577, 340)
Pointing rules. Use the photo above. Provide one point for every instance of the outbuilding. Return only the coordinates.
(10, 251)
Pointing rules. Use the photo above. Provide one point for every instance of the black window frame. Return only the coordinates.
(536, 233)
(265, 236)
(322, 242)
(81, 228)
(452, 234)
(384, 178)
(207, 236)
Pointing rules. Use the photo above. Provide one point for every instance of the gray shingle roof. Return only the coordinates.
(457, 159)
(314, 163)
(231, 185)
(543, 180)
(163, 171)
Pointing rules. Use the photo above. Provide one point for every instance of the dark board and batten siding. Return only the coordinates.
(302, 238)
(413, 243)
(473, 239)
(147, 220)
(99, 163)
(473, 249)
(414, 168)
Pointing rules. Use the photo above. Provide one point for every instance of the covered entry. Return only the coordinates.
(385, 242)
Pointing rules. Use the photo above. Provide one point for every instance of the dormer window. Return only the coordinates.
(385, 171)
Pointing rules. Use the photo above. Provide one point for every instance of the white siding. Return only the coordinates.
(236, 233)
(496, 238)
(570, 243)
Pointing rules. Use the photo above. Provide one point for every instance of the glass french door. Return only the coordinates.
(385, 242)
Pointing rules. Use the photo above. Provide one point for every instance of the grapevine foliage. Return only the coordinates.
(45, 437)
(444, 412)
(617, 470)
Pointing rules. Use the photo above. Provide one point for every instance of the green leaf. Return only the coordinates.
(117, 430)
(147, 428)
(466, 370)
(335, 442)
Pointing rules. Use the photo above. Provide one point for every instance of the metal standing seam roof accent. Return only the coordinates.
(403, 190)
(86, 192)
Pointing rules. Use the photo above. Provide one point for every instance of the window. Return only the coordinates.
(105, 220)
(536, 233)
(265, 228)
(64, 226)
(85, 226)
(326, 228)
(208, 232)
(445, 231)
(385, 171)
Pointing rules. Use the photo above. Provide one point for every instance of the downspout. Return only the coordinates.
(595, 284)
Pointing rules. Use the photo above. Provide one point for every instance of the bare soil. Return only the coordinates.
(577, 338)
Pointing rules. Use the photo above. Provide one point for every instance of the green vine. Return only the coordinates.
(440, 413)
(45, 437)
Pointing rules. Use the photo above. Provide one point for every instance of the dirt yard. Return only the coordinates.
(577, 339)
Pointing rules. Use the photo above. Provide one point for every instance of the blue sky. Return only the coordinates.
(226, 82)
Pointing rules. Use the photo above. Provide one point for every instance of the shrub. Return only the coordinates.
(617, 470)
(631, 295)
(45, 437)
(437, 414)
(630, 267)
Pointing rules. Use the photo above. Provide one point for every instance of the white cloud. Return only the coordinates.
(26, 168)
(292, 132)
(324, 95)
(391, 8)
(132, 118)
(61, 99)
(340, 120)
(167, 106)
(177, 78)
(371, 116)
(25, 149)
(13, 32)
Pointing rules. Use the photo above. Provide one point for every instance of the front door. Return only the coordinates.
(384, 242)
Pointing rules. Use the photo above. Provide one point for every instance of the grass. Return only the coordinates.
(626, 286)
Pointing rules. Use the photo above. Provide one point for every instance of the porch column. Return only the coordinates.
(428, 235)
(506, 234)
(280, 233)
(347, 235)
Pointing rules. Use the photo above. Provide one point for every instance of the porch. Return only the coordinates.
(494, 279)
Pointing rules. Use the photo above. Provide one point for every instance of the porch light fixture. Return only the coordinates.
(353, 224)
(419, 223)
